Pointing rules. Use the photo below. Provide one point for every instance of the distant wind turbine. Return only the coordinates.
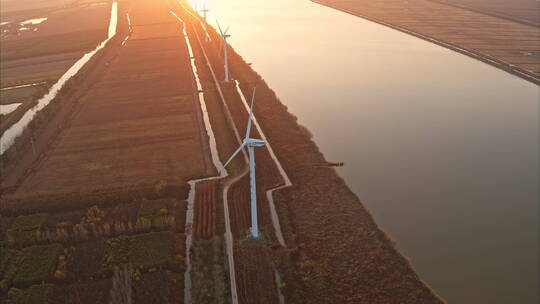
(204, 11)
(250, 143)
(224, 36)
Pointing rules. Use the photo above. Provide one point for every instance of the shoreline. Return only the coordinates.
(507, 67)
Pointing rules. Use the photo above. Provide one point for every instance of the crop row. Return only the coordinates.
(205, 210)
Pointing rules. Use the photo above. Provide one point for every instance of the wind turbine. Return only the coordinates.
(204, 11)
(224, 36)
(250, 143)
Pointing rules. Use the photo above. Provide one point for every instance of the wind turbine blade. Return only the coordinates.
(219, 26)
(234, 154)
(248, 129)
(228, 27)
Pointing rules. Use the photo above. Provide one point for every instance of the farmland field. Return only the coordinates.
(470, 25)
(40, 52)
(108, 192)
(520, 10)
(139, 123)
(62, 37)
(12, 6)
(75, 250)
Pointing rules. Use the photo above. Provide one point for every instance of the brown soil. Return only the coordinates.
(28, 148)
(254, 272)
(239, 206)
(10, 8)
(206, 200)
(47, 53)
(125, 128)
(65, 35)
(522, 11)
(502, 42)
(35, 69)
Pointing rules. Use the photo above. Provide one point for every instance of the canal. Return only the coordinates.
(441, 148)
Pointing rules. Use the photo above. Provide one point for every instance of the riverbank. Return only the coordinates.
(503, 43)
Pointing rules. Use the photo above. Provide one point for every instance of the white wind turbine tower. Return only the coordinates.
(224, 36)
(251, 143)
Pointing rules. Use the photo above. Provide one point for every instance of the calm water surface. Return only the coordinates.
(442, 149)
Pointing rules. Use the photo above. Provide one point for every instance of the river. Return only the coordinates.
(441, 148)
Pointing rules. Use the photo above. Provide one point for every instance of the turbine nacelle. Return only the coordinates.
(223, 32)
(251, 142)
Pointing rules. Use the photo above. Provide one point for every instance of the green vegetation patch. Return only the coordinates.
(36, 294)
(140, 250)
(23, 230)
(34, 264)
(207, 275)
(22, 237)
(29, 222)
(8, 258)
(152, 287)
(150, 209)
